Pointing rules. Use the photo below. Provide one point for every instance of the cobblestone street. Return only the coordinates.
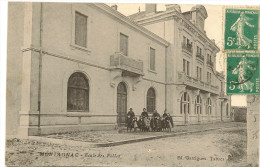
(223, 147)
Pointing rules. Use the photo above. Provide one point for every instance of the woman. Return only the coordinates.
(239, 28)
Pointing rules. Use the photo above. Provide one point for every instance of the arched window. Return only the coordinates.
(78, 93)
(150, 100)
(209, 107)
(185, 103)
(198, 103)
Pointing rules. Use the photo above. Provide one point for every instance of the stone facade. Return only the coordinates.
(144, 71)
(185, 32)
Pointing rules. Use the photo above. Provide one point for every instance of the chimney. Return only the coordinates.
(173, 7)
(114, 7)
(150, 8)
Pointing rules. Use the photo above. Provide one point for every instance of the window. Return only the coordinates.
(186, 67)
(78, 93)
(185, 104)
(150, 104)
(199, 51)
(199, 73)
(198, 103)
(209, 106)
(124, 44)
(208, 77)
(80, 29)
(152, 59)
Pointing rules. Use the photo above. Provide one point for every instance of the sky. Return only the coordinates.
(213, 28)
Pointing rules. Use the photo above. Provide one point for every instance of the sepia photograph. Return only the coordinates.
(132, 84)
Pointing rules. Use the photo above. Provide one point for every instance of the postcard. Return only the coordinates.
(95, 84)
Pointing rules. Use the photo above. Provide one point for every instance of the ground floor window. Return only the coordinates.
(185, 104)
(209, 106)
(78, 93)
(198, 103)
(150, 100)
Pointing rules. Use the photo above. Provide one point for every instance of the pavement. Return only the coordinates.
(93, 139)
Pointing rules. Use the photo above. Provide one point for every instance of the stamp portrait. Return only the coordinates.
(243, 73)
(241, 29)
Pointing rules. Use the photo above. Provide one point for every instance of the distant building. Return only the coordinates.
(80, 66)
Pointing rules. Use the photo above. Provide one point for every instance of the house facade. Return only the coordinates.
(79, 66)
(195, 89)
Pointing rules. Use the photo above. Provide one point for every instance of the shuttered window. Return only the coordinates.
(81, 29)
(124, 44)
(152, 59)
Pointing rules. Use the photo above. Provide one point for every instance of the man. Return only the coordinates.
(156, 114)
(165, 114)
(144, 113)
(130, 114)
(170, 118)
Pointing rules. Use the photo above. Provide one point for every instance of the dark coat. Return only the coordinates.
(156, 114)
(144, 114)
(131, 114)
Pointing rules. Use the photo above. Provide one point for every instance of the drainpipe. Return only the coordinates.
(40, 71)
(165, 88)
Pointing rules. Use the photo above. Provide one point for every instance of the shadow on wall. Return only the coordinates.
(239, 114)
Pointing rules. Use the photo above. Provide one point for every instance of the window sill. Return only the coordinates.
(78, 114)
(75, 46)
(152, 71)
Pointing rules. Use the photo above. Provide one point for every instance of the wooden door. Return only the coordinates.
(121, 104)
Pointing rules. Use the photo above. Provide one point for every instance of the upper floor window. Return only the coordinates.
(199, 51)
(152, 59)
(199, 73)
(81, 29)
(187, 44)
(186, 67)
(124, 44)
(208, 77)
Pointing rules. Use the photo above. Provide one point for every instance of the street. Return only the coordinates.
(225, 147)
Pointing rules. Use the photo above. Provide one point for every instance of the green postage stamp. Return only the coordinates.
(241, 29)
(243, 73)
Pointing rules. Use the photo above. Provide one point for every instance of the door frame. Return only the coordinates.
(126, 101)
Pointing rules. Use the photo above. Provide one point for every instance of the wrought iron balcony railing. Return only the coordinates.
(187, 47)
(210, 63)
(196, 83)
(200, 56)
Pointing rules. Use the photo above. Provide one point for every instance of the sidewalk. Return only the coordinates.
(113, 138)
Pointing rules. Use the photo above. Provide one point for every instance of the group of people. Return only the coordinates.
(156, 122)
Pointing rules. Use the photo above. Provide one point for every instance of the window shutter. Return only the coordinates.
(124, 44)
(152, 59)
(80, 29)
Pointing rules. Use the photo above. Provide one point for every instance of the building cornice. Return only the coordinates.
(173, 14)
(130, 22)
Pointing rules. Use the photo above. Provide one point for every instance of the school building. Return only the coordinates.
(81, 66)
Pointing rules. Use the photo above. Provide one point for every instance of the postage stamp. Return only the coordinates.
(241, 29)
(243, 73)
